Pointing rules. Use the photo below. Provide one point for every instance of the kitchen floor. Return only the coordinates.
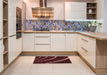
(24, 66)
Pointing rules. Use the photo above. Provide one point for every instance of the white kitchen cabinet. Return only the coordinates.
(12, 48)
(87, 48)
(58, 41)
(75, 10)
(1, 55)
(42, 42)
(19, 45)
(28, 42)
(12, 17)
(1, 16)
(71, 42)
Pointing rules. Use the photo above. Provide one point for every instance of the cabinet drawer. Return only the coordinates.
(42, 34)
(42, 47)
(42, 40)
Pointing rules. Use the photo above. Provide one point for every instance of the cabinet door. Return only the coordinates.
(1, 55)
(71, 42)
(28, 42)
(19, 45)
(12, 17)
(58, 42)
(1, 10)
(12, 48)
(75, 10)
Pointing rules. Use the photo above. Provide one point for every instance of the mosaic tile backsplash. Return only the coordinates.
(48, 25)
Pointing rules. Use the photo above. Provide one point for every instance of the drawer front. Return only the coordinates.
(42, 40)
(42, 47)
(42, 34)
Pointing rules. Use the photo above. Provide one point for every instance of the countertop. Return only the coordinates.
(96, 35)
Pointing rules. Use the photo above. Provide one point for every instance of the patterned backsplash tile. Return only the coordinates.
(48, 25)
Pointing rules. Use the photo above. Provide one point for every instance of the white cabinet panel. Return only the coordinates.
(87, 48)
(28, 42)
(40, 47)
(19, 45)
(1, 61)
(71, 42)
(58, 41)
(12, 17)
(12, 48)
(42, 42)
(75, 10)
(1, 55)
(1, 16)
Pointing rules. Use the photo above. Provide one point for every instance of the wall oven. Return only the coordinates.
(18, 22)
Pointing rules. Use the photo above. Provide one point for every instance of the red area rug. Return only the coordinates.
(51, 59)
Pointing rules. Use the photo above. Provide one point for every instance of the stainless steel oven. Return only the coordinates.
(18, 23)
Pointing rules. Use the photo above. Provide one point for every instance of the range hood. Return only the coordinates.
(43, 11)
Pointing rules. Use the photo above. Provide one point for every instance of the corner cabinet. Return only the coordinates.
(58, 41)
(87, 49)
(75, 10)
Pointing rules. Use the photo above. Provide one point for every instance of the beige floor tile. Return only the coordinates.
(41, 68)
(24, 66)
(41, 73)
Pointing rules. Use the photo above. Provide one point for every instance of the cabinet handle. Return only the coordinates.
(42, 44)
(84, 49)
(85, 40)
(42, 36)
(12, 35)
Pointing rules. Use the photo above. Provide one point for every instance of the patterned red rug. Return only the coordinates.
(51, 59)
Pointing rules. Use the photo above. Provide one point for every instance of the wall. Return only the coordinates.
(100, 13)
(19, 3)
(100, 9)
(57, 4)
(105, 16)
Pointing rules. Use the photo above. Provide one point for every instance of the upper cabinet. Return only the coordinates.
(1, 10)
(12, 17)
(91, 10)
(75, 10)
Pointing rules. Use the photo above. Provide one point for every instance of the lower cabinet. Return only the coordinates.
(12, 48)
(42, 42)
(28, 42)
(1, 55)
(49, 42)
(87, 49)
(58, 42)
(19, 45)
(71, 42)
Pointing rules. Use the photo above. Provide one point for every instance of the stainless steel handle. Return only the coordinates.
(42, 36)
(42, 44)
(12, 35)
(85, 40)
(84, 49)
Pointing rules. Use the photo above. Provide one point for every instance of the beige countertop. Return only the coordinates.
(96, 35)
